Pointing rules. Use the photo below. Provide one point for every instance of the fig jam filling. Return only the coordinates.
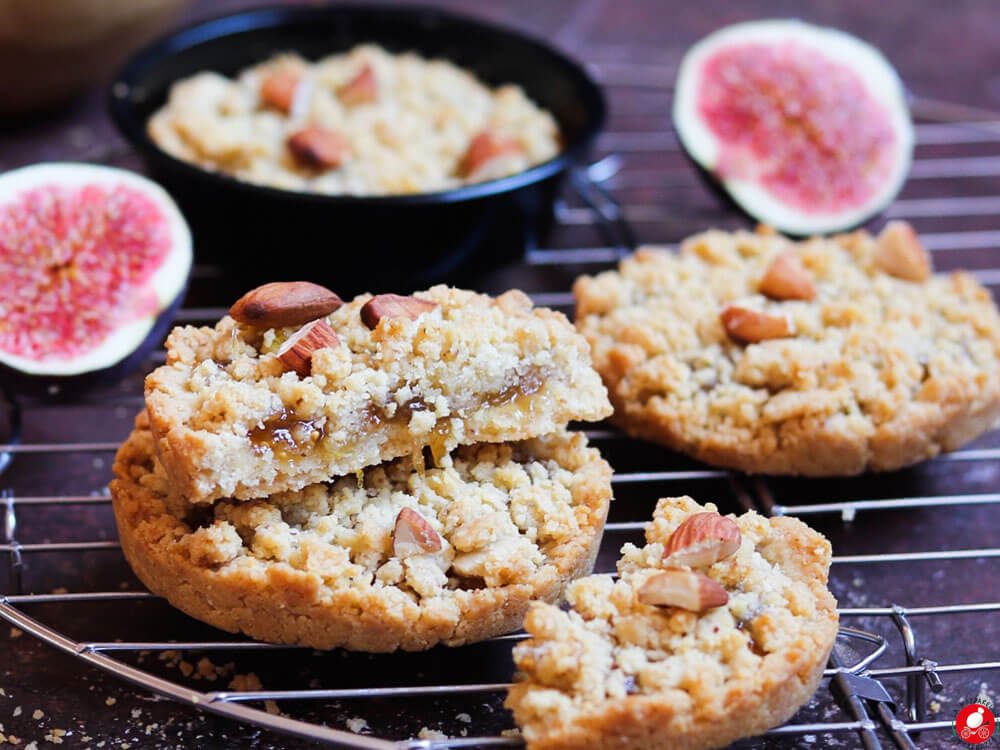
(286, 435)
(74, 262)
(804, 127)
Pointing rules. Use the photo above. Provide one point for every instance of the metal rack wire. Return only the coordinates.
(861, 667)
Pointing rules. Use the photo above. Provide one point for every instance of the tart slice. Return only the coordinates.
(719, 628)
(396, 557)
(301, 388)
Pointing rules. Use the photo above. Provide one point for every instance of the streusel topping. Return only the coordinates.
(871, 362)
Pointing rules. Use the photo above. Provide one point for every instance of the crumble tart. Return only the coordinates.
(389, 124)
(615, 672)
(491, 528)
(232, 420)
(825, 357)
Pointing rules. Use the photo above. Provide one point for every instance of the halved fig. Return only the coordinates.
(805, 128)
(94, 262)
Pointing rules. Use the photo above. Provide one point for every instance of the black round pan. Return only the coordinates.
(355, 243)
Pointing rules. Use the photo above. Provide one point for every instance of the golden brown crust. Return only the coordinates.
(615, 673)
(881, 372)
(211, 573)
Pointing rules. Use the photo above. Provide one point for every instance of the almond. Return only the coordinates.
(318, 147)
(277, 89)
(703, 539)
(393, 306)
(899, 253)
(284, 303)
(748, 325)
(361, 89)
(485, 146)
(412, 535)
(687, 589)
(296, 353)
(787, 278)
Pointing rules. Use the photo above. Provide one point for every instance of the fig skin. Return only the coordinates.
(169, 283)
(701, 147)
(66, 387)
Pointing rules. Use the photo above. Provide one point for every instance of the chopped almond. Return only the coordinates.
(296, 353)
(748, 325)
(361, 89)
(703, 539)
(787, 278)
(318, 148)
(393, 306)
(899, 253)
(486, 146)
(686, 589)
(277, 89)
(413, 535)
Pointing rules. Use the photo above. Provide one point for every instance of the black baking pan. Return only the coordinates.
(358, 243)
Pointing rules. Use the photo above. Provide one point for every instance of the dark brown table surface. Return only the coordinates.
(947, 51)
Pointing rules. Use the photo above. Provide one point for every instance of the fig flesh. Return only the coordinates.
(805, 128)
(93, 264)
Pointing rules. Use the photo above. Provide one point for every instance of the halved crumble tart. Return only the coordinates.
(718, 628)
(396, 557)
(274, 403)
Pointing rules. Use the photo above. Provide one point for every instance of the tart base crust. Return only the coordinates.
(272, 601)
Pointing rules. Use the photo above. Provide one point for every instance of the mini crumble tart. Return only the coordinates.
(395, 557)
(365, 122)
(718, 628)
(243, 411)
(825, 357)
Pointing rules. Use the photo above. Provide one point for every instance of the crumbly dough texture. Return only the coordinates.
(411, 139)
(317, 567)
(230, 421)
(615, 673)
(880, 373)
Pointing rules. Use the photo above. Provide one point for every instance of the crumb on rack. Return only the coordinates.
(37, 714)
(464, 718)
(426, 733)
(110, 701)
(16, 633)
(356, 724)
(243, 683)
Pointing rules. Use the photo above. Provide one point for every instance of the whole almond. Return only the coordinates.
(686, 589)
(393, 306)
(277, 89)
(744, 324)
(787, 278)
(284, 303)
(296, 353)
(484, 147)
(413, 535)
(703, 539)
(899, 253)
(318, 147)
(361, 89)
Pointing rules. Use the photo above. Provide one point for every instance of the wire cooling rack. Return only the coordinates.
(896, 658)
